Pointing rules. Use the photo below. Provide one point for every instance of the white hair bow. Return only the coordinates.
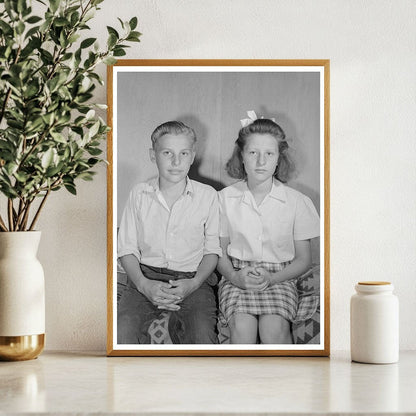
(251, 117)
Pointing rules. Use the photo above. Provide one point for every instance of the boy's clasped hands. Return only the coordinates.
(168, 295)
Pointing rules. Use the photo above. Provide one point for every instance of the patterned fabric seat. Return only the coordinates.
(305, 332)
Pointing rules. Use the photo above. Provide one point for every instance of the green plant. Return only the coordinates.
(50, 134)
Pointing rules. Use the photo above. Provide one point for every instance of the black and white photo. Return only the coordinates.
(218, 208)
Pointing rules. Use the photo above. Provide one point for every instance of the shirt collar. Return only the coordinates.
(240, 189)
(154, 186)
(278, 191)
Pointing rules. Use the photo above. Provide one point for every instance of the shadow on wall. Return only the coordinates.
(201, 134)
(306, 190)
(296, 151)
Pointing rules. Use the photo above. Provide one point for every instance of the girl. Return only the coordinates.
(265, 235)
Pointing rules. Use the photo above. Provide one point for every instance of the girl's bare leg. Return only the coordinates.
(274, 329)
(243, 328)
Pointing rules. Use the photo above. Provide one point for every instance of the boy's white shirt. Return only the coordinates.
(266, 232)
(177, 238)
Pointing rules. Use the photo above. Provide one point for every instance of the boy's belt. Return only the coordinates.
(164, 270)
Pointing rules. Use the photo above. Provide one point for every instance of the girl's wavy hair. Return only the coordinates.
(172, 127)
(285, 165)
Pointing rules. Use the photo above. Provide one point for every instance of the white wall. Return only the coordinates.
(371, 45)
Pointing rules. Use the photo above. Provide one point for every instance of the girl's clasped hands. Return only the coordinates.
(255, 278)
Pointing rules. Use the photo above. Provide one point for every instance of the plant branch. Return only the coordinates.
(9, 91)
(35, 145)
(2, 224)
(21, 211)
(39, 209)
(26, 216)
(18, 215)
(10, 213)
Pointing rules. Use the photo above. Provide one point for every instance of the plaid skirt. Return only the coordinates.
(280, 299)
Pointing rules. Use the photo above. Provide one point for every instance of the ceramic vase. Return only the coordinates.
(22, 296)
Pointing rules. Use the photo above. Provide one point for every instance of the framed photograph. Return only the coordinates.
(218, 208)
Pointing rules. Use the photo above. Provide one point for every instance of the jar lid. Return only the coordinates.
(372, 287)
(373, 283)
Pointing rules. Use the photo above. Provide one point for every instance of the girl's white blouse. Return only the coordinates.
(266, 232)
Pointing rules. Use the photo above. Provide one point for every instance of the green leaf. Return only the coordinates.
(134, 37)
(28, 50)
(112, 31)
(26, 11)
(67, 153)
(33, 19)
(94, 129)
(35, 125)
(53, 83)
(88, 16)
(47, 158)
(94, 151)
(82, 98)
(64, 93)
(78, 154)
(82, 166)
(112, 41)
(52, 171)
(11, 168)
(21, 6)
(10, 8)
(110, 60)
(92, 161)
(70, 188)
(86, 176)
(74, 18)
(5, 146)
(7, 30)
(20, 28)
(54, 4)
(119, 52)
(63, 41)
(16, 124)
(21, 177)
(31, 90)
(73, 38)
(46, 56)
(60, 138)
(61, 21)
(8, 191)
(90, 115)
(133, 23)
(87, 42)
(48, 118)
(121, 22)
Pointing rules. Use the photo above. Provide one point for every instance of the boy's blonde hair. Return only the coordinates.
(172, 127)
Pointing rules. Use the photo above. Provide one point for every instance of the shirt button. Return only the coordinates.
(259, 237)
(171, 234)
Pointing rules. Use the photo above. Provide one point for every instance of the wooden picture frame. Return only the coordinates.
(212, 96)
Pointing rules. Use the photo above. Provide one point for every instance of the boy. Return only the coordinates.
(168, 245)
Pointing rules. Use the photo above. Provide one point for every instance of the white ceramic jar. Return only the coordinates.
(374, 323)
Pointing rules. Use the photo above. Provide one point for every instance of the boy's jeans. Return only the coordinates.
(194, 323)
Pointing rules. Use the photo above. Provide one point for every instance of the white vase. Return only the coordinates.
(22, 296)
